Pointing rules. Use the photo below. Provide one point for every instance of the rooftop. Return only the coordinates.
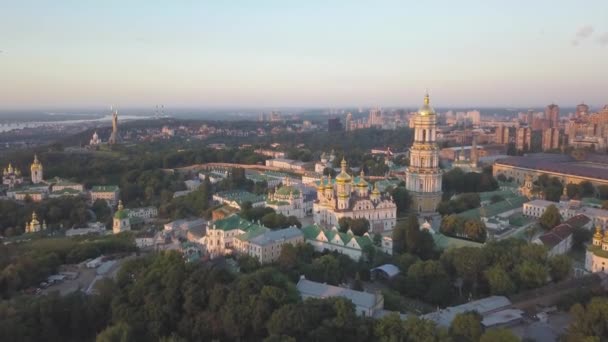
(272, 236)
(317, 290)
(240, 196)
(311, 232)
(592, 166)
(482, 306)
(233, 222)
(496, 208)
(447, 242)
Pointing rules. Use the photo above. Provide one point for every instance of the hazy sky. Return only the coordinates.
(302, 53)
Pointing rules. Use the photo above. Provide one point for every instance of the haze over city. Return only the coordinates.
(309, 54)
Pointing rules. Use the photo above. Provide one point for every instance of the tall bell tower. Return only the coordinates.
(423, 176)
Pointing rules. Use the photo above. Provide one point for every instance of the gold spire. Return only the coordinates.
(120, 206)
(376, 191)
(426, 108)
(343, 177)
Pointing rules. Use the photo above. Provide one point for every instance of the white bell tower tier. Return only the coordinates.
(423, 176)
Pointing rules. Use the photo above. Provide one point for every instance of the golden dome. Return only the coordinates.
(343, 177)
(36, 165)
(598, 233)
(426, 108)
(362, 183)
(34, 218)
(376, 191)
(605, 240)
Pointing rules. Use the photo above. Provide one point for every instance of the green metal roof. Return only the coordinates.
(597, 250)
(121, 214)
(233, 222)
(486, 196)
(254, 230)
(443, 242)
(241, 197)
(496, 208)
(287, 190)
(311, 232)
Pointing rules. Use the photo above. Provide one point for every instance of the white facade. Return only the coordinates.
(267, 247)
(288, 201)
(286, 164)
(596, 258)
(144, 212)
(353, 199)
(423, 176)
(567, 209)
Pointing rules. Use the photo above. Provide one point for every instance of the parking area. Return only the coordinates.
(80, 277)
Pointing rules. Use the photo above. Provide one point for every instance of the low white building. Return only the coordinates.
(366, 304)
(289, 201)
(91, 228)
(568, 210)
(332, 240)
(286, 164)
(267, 246)
(143, 212)
(234, 235)
(487, 307)
(559, 239)
(236, 198)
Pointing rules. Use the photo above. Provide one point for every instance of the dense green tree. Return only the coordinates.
(560, 267)
(589, 321)
(550, 218)
(119, 332)
(466, 327)
(498, 335)
(402, 199)
(602, 191)
(531, 274)
(499, 281)
(586, 189)
(467, 263)
(358, 226)
(580, 236)
(428, 280)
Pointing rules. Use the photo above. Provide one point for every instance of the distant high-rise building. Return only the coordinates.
(551, 137)
(582, 110)
(474, 117)
(540, 124)
(523, 138)
(375, 117)
(552, 114)
(349, 122)
(530, 117)
(502, 135)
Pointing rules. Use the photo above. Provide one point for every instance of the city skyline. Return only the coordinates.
(270, 54)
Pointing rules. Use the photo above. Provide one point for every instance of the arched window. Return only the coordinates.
(424, 135)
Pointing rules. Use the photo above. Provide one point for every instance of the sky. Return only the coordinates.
(206, 54)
